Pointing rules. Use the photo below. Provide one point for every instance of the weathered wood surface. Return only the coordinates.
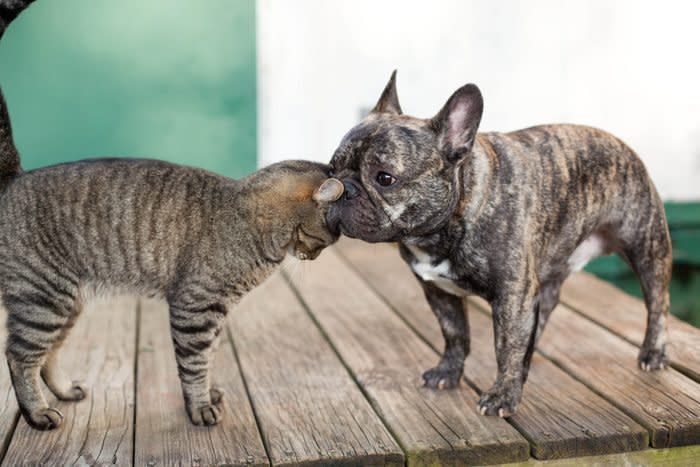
(100, 351)
(164, 434)
(8, 403)
(376, 332)
(626, 316)
(674, 457)
(666, 402)
(387, 358)
(309, 408)
(558, 422)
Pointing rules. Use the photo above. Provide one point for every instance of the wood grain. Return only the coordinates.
(666, 402)
(674, 457)
(386, 358)
(558, 415)
(100, 351)
(626, 316)
(164, 434)
(310, 410)
(9, 411)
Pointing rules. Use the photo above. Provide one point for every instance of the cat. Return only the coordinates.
(197, 239)
(9, 9)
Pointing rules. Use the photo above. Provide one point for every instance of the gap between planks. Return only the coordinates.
(164, 434)
(666, 403)
(309, 409)
(558, 424)
(98, 430)
(625, 316)
(385, 357)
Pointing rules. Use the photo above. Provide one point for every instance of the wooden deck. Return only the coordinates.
(322, 366)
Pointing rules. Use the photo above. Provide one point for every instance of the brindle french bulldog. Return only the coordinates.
(505, 216)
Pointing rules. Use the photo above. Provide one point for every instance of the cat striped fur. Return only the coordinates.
(197, 239)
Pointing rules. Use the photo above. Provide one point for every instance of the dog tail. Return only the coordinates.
(9, 157)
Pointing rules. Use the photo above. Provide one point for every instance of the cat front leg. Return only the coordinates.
(37, 322)
(195, 332)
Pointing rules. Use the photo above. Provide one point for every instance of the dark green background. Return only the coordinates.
(166, 79)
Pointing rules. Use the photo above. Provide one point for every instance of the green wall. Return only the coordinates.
(166, 79)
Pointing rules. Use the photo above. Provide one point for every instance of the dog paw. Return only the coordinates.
(75, 393)
(498, 401)
(44, 419)
(442, 378)
(653, 359)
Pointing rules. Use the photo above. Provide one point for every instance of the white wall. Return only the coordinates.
(630, 67)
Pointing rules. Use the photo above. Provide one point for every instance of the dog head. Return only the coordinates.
(400, 173)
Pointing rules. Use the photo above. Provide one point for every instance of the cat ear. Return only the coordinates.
(330, 190)
(389, 100)
(456, 124)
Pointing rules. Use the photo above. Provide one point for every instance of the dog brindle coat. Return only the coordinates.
(505, 216)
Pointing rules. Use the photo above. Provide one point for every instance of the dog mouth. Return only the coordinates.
(369, 222)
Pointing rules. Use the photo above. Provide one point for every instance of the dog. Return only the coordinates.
(505, 216)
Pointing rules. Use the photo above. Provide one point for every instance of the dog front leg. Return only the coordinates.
(451, 313)
(515, 328)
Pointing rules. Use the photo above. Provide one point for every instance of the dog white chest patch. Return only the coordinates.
(439, 274)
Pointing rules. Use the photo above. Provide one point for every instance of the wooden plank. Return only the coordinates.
(164, 434)
(9, 411)
(100, 351)
(386, 358)
(558, 415)
(310, 410)
(667, 403)
(673, 457)
(626, 316)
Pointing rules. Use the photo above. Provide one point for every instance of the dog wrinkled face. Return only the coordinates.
(400, 172)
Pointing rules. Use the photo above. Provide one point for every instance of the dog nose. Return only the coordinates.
(351, 190)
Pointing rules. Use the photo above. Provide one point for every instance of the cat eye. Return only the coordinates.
(385, 179)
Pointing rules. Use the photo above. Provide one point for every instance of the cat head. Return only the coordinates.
(292, 202)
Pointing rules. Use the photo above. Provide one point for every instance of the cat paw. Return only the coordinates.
(207, 415)
(75, 393)
(217, 395)
(653, 359)
(442, 378)
(500, 401)
(44, 419)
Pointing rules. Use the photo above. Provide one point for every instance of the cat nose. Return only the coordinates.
(351, 190)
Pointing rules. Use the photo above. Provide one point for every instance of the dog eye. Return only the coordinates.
(385, 179)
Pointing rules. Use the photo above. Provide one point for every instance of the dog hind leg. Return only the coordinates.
(651, 261)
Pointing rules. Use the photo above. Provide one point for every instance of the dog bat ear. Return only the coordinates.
(458, 121)
(389, 100)
(330, 190)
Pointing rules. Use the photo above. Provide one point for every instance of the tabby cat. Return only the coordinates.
(197, 239)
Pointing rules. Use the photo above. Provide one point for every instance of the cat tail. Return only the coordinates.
(9, 9)
(9, 157)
